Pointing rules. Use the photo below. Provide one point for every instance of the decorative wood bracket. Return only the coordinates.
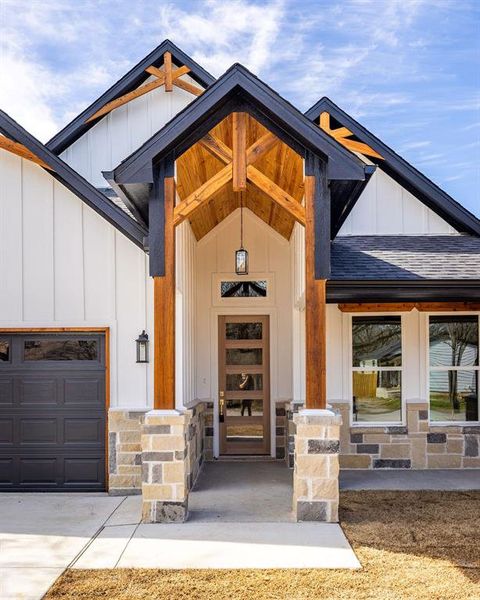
(239, 167)
(168, 77)
(22, 151)
(341, 134)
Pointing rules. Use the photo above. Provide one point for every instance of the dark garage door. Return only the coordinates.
(52, 412)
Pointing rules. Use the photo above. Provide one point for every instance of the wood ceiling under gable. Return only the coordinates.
(280, 164)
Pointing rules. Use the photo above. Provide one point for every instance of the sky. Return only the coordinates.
(408, 70)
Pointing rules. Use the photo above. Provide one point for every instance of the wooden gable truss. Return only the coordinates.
(22, 151)
(168, 77)
(342, 135)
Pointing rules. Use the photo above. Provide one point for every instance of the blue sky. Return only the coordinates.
(409, 70)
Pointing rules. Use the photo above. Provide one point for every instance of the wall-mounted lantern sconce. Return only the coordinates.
(142, 347)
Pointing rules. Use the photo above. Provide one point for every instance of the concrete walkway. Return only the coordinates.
(41, 534)
(240, 518)
(434, 479)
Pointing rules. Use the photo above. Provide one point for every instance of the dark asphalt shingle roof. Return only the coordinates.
(390, 257)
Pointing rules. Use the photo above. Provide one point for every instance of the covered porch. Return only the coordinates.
(239, 153)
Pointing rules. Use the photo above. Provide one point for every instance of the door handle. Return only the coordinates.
(221, 407)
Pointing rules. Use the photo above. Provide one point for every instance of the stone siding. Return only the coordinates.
(281, 431)
(125, 451)
(316, 465)
(208, 431)
(418, 445)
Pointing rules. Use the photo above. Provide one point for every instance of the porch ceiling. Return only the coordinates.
(281, 164)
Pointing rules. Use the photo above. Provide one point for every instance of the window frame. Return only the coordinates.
(401, 369)
(428, 369)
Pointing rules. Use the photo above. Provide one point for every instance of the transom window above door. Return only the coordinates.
(243, 289)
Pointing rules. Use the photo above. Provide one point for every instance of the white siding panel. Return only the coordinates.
(68, 243)
(389, 211)
(385, 207)
(334, 353)
(38, 275)
(10, 235)
(99, 260)
(122, 131)
(131, 318)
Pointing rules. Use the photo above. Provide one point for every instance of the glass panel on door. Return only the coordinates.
(244, 406)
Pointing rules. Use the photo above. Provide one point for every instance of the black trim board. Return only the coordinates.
(237, 88)
(75, 182)
(401, 171)
(445, 290)
(130, 81)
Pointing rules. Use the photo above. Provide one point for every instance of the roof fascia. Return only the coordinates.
(207, 108)
(404, 173)
(75, 182)
(127, 83)
(421, 290)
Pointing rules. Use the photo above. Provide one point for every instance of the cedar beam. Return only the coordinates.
(164, 311)
(239, 151)
(279, 195)
(167, 63)
(315, 310)
(20, 150)
(202, 194)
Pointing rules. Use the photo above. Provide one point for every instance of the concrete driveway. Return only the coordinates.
(42, 534)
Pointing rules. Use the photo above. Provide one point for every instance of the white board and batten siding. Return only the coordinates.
(62, 265)
(124, 130)
(386, 208)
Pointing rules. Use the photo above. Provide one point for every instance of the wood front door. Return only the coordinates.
(244, 384)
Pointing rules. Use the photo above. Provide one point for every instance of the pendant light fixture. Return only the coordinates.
(241, 255)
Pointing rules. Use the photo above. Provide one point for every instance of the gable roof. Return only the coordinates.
(401, 171)
(238, 89)
(74, 182)
(130, 81)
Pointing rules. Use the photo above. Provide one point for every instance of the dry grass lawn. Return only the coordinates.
(412, 545)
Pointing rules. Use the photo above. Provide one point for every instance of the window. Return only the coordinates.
(377, 369)
(454, 367)
(60, 349)
(4, 351)
(243, 289)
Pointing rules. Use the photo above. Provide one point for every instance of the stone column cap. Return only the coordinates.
(320, 416)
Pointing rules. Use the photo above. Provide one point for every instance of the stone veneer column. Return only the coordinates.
(165, 466)
(316, 468)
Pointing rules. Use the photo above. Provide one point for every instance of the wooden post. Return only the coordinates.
(167, 63)
(162, 268)
(239, 151)
(317, 269)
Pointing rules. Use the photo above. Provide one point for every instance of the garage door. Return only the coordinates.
(52, 412)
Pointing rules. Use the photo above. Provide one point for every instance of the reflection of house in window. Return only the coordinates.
(243, 289)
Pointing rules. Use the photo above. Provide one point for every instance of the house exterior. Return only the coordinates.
(350, 341)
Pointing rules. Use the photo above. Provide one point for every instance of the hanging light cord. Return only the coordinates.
(241, 220)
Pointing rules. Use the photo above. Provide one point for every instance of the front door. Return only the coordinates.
(244, 385)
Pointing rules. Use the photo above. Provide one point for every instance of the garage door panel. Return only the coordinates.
(6, 390)
(53, 416)
(39, 431)
(80, 392)
(39, 470)
(84, 431)
(6, 431)
(84, 471)
(7, 472)
(38, 391)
